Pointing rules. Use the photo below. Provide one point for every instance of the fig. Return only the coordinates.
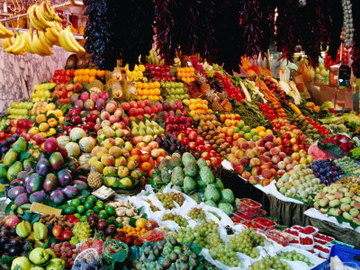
(57, 196)
(21, 199)
(15, 191)
(102, 224)
(37, 196)
(70, 192)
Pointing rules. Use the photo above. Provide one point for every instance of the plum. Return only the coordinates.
(80, 185)
(70, 192)
(57, 196)
(64, 177)
(37, 196)
(21, 199)
(15, 191)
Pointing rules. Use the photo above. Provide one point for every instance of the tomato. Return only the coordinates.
(185, 140)
(193, 135)
(213, 153)
(57, 230)
(208, 147)
(66, 235)
(199, 140)
(200, 148)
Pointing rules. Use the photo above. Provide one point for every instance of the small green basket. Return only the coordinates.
(118, 246)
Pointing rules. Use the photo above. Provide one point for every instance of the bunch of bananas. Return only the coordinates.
(15, 45)
(4, 32)
(153, 58)
(41, 15)
(68, 41)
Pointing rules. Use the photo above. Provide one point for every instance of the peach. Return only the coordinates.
(264, 159)
(105, 115)
(282, 155)
(111, 106)
(275, 159)
(244, 161)
(250, 153)
(266, 173)
(269, 137)
(281, 165)
(105, 123)
(239, 169)
(119, 112)
(254, 162)
(281, 172)
(274, 151)
(246, 175)
(256, 171)
(288, 160)
(120, 161)
(123, 171)
(252, 144)
(245, 146)
(260, 142)
(254, 180)
(269, 145)
(239, 154)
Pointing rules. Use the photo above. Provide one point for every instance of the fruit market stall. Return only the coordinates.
(170, 161)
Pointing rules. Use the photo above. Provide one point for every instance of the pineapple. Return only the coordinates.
(94, 179)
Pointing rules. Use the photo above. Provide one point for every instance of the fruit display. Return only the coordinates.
(300, 182)
(96, 162)
(262, 158)
(19, 110)
(62, 75)
(197, 106)
(174, 91)
(150, 91)
(186, 74)
(339, 201)
(160, 73)
(42, 91)
(327, 171)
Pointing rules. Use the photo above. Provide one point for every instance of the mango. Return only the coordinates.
(20, 145)
(10, 157)
(14, 170)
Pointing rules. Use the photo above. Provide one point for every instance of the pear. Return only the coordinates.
(135, 131)
(142, 125)
(142, 131)
(149, 130)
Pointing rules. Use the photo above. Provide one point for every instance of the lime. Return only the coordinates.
(91, 198)
(100, 204)
(83, 218)
(103, 214)
(256, 138)
(246, 129)
(111, 220)
(70, 210)
(242, 133)
(110, 210)
(88, 205)
(75, 202)
(236, 130)
(80, 209)
(83, 200)
(97, 209)
(77, 215)
(89, 212)
(247, 136)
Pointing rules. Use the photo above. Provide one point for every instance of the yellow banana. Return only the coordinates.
(41, 47)
(6, 43)
(5, 33)
(32, 18)
(65, 43)
(52, 35)
(44, 40)
(49, 9)
(18, 46)
(27, 36)
(39, 14)
(73, 41)
(46, 13)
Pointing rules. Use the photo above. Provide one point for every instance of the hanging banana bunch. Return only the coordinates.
(18, 46)
(4, 32)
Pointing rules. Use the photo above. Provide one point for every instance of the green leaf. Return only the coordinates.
(8, 259)
(8, 208)
(132, 222)
(196, 248)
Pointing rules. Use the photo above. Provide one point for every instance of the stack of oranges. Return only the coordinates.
(150, 90)
(186, 74)
(197, 106)
(87, 75)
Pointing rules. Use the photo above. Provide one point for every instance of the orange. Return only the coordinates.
(86, 79)
(100, 73)
(140, 223)
(80, 78)
(86, 71)
(91, 79)
(92, 72)
(76, 79)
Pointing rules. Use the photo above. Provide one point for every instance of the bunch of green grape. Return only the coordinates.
(246, 242)
(225, 254)
(197, 214)
(180, 220)
(168, 199)
(270, 263)
(152, 207)
(294, 256)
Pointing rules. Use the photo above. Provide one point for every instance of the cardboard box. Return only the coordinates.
(344, 96)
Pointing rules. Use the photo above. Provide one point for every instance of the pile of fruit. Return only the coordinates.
(89, 136)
